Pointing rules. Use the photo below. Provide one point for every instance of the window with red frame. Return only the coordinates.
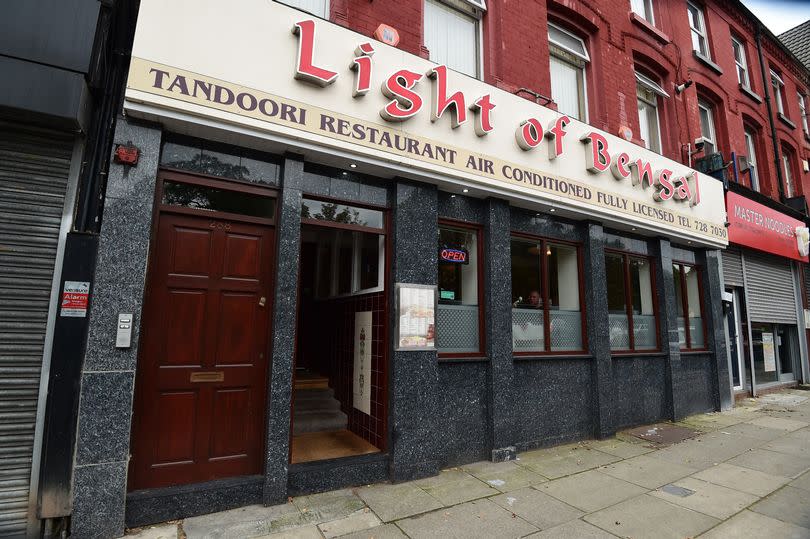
(546, 297)
(631, 302)
(689, 303)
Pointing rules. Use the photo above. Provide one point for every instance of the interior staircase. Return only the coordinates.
(315, 409)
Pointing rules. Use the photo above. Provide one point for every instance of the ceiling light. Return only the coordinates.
(344, 173)
(353, 165)
(551, 209)
(465, 190)
(452, 196)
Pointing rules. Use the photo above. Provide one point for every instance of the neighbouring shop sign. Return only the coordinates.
(760, 227)
(267, 67)
(416, 317)
(361, 386)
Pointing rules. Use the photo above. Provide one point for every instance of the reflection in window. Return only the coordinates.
(631, 303)
(457, 323)
(204, 157)
(689, 306)
(200, 197)
(545, 296)
(341, 213)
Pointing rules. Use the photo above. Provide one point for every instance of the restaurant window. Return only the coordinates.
(631, 303)
(452, 34)
(778, 88)
(319, 8)
(750, 147)
(707, 131)
(644, 9)
(741, 62)
(803, 113)
(697, 25)
(546, 297)
(648, 93)
(689, 305)
(458, 320)
(567, 61)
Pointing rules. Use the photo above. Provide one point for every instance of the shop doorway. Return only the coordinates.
(775, 348)
(339, 406)
(202, 368)
(734, 324)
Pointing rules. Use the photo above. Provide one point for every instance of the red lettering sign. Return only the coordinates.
(759, 227)
(458, 256)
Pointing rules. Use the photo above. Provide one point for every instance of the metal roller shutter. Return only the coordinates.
(771, 294)
(34, 170)
(732, 267)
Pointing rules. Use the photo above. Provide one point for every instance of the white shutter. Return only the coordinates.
(771, 294)
(451, 37)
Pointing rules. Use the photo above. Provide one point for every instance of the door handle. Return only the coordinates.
(262, 301)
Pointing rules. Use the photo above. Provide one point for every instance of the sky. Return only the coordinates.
(780, 15)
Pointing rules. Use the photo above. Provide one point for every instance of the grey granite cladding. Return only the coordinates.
(98, 508)
(544, 225)
(413, 376)
(640, 388)
(104, 434)
(332, 475)
(461, 208)
(464, 410)
(283, 340)
(715, 329)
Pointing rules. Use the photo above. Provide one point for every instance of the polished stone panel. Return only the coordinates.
(106, 398)
(98, 500)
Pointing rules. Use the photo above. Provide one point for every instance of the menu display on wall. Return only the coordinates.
(768, 352)
(416, 311)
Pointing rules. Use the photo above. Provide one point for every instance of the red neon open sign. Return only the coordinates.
(458, 256)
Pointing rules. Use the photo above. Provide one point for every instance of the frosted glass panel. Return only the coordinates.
(450, 36)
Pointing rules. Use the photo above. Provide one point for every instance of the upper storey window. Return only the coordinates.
(741, 61)
(778, 86)
(648, 93)
(318, 8)
(707, 130)
(697, 24)
(803, 113)
(644, 9)
(452, 34)
(568, 58)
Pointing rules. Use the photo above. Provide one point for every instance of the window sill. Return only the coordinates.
(463, 359)
(541, 357)
(645, 25)
(651, 353)
(750, 93)
(707, 61)
(700, 352)
(784, 119)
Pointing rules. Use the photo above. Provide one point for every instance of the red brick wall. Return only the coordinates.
(515, 53)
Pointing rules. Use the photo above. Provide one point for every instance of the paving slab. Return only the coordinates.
(772, 463)
(778, 423)
(789, 446)
(164, 531)
(591, 490)
(647, 517)
(707, 498)
(647, 471)
(747, 525)
(480, 518)
(802, 482)
(783, 398)
(392, 502)
(249, 521)
(742, 479)
(801, 434)
(710, 422)
(327, 506)
(387, 531)
(620, 448)
(575, 529)
(707, 450)
(537, 508)
(465, 489)
(788, 504)
(567, 463)
(506, 476)
(304, 532)
(360, 520)
(750, 430)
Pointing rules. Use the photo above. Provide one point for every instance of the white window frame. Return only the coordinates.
(742, 62)
(712, 133)
(777, 85)
(788, 176)
(751, 148)
(295, 4)
(582, 55)
(644, 9)
(645, 85)
(473, 10)
(700, 30)
(803, 113)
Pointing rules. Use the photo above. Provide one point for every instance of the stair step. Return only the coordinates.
(312, 383)
(319, 421)
(309, 405)
(314, 394)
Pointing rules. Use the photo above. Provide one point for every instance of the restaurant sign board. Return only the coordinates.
(278, 72)
(759, 227)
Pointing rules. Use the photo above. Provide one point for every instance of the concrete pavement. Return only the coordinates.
(744, 473)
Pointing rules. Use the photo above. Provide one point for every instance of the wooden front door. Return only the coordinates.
(201, 385)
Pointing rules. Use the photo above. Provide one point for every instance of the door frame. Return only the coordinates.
(159, 208)
(735, 304)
